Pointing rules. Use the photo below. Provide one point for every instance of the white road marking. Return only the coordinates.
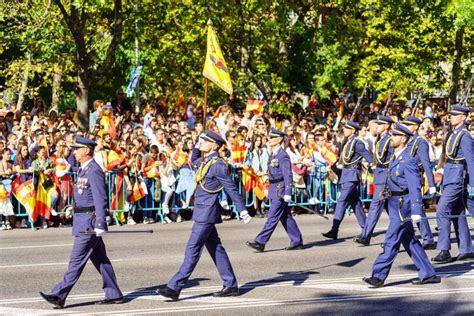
(37, 246)
(44, 264)
(256, 304)
(30, 311)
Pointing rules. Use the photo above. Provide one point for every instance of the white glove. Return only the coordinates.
(287, 198)
(99, 232)
(432, 190)
(244, 215)
(415, 218)
(440, 171)
(339, 166)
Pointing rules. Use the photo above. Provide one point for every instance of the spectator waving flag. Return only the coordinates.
(215, 68)
(44, 193)
(255, 106)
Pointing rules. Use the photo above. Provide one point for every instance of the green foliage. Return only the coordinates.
(304, 46)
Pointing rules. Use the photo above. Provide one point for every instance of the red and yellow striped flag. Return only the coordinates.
(255, 106)
(43, 203)
(113, 160)
(137, 193)
(238, 154)
(25, 194)
(180, 157)
(329, 155)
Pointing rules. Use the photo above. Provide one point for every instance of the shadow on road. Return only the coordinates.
(297, 277)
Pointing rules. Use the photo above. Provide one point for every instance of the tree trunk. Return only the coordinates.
(82, 95)
(456, 65)
(24, 83)
(57, 78)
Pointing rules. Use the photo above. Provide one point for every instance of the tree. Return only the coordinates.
(95, 44)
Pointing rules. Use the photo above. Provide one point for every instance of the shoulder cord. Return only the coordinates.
(383, 154)
(348, 155)
(200, 175)
(449, 153)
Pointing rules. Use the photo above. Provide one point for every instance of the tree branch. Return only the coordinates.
(116, 40)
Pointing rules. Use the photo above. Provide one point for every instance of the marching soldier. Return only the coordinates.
(459, 161)
(419, 148)
(351, 157)
(212, 176)
(90, 198)
(404, 204)
(382, 154)
(280, 191)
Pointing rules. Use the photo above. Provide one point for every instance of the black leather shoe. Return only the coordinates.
(373, 281)
(107, 301)
(361, 240)
(465, 256)
(296, 247)
(443, 257)
(255, 245)
(430, 280)
(330, 234)
(429, 246)
(169, 293)
(227, 291)
(53, 299)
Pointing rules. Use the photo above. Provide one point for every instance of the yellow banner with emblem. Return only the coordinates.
(215, 68)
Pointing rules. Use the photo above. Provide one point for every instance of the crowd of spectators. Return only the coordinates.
(152, 148)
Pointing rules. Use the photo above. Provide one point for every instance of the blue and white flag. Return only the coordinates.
(134, 76)
(260, 96)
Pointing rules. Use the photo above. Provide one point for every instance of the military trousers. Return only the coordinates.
(401, 233)
(349, 197)
(203, 234)
(453, 202)
(87, 247)
(280, 212)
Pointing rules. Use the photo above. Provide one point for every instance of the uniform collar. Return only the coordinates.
(275, 152)
(400, 153)
(84, 165)
(211, 155)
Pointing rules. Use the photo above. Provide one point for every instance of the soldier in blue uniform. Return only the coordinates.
(382, 154)
(351, 162)
(212, 176)
(459, 161)
(280, 191)
(404, 203)
(90, 196)
(419, 148)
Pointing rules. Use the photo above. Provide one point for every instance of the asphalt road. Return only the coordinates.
(323, 278)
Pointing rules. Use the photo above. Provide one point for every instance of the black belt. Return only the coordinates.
(381, 167)
(275, 180)
(456, 162)
(89, 209)
(355, 167)
(398, 193)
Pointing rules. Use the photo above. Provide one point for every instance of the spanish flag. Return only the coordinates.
(252, 181)
(4, 194)
(255, 106)
(238, 154)
(180, 157)
(137, 193)
(153, 172)
(113, 160)
(43, 203)
(329, 155)
(217, 113)
(25, 194)
(215, 68)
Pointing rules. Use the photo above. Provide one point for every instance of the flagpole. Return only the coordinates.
(204, 110)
